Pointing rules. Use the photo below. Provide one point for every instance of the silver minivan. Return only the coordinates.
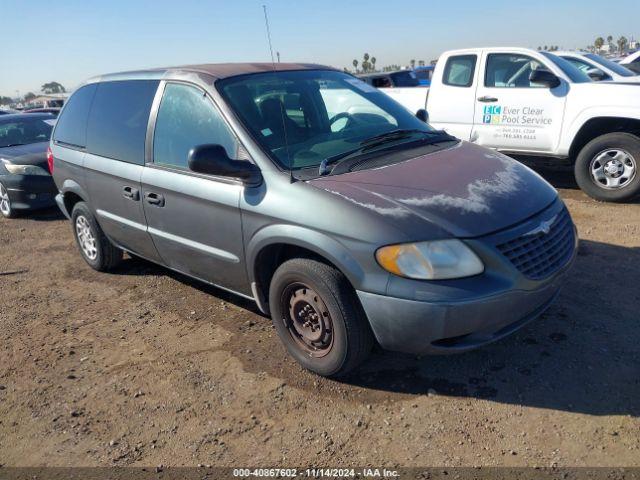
(344, 217)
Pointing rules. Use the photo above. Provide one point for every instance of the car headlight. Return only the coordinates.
(24, 169)
(433, 260)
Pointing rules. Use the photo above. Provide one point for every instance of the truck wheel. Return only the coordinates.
(318, 317)
(607, 167)
(95, 247)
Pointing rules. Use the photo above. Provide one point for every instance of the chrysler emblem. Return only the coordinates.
(544, 227)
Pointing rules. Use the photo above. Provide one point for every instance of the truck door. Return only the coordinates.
(511, 112)
(452, 106)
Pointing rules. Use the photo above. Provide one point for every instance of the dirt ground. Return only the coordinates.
(146, 367)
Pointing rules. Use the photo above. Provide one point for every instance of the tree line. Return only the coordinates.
(49, 88)
(622, 43)
(368, 65)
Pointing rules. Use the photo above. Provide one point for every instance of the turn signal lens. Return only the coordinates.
(435, 260)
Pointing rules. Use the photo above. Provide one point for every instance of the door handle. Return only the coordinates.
(487, 99)
(154, 199)
(131, 193)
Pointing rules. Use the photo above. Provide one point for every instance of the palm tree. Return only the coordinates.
(545, 48)
(598, 43)
(355, 64)
(373, 63)
(622, 43)
(421, 63)
(413, 63)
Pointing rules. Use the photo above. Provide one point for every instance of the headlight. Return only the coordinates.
(24, 169)
(435, 260)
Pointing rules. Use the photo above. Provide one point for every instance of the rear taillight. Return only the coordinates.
(50, 160)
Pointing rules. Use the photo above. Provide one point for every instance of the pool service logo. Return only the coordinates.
(515, 116)
(491, 114)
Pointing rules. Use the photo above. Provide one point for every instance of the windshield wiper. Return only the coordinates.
(380, 139)
(391, 135)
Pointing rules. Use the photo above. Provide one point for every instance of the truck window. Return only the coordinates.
(187, 118)
(510, 70)
(381, 82)
(405, 79)
(459, 70)
(118, 121)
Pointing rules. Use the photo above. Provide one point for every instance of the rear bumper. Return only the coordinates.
(30, 191)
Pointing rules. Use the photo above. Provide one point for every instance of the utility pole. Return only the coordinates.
(278, 55)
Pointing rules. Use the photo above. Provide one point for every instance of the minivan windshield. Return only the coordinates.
(302, 118)
(613, 66)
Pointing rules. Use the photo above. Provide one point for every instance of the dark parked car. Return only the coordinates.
(25, 181)
(52, 110)
(401, 78)
(343, 216)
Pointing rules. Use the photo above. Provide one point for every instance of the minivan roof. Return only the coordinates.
(216, 70)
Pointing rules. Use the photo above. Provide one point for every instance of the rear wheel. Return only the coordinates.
(95, 247)
(6, 209)
(607, 167)
(318, 317)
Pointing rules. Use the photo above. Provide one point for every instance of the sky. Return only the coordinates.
(70, 40)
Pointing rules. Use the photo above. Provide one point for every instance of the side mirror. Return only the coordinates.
(545, 77)
(596, 74)
(212, 159)
(422, 115)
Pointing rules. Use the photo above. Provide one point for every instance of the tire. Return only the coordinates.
(6, 209)
(607, 160)
(97, 250)
(338, 308)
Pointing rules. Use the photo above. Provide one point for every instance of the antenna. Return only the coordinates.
(282, 113)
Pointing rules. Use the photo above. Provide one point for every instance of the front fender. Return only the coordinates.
(352, 260)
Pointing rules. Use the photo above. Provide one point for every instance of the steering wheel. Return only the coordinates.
(340, 116)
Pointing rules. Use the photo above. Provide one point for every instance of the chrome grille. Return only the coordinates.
(543, 250)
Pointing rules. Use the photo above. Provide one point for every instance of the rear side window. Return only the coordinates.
(459, 70)
(71, 128)
(118, 121)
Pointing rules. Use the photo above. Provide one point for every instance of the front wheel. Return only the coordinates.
(318, 317)
(6, 209)
(607, 167)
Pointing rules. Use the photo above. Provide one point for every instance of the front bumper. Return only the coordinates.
(30, 191)
(437, 328)
(458, 315)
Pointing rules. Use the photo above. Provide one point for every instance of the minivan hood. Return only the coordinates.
(31, 154)
(466, 190)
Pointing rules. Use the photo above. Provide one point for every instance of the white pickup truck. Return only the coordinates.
(529, 103)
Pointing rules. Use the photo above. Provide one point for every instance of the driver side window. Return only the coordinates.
(506, 70)
(187, 118)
